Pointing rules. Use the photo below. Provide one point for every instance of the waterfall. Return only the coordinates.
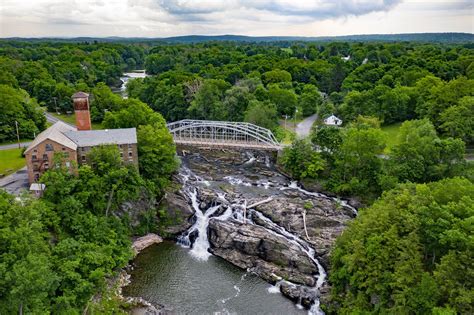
(237, 209)
(201, 244)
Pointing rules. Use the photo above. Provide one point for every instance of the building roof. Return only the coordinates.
(56, 134)
(37, 187)
(89, 138)
(80, 95)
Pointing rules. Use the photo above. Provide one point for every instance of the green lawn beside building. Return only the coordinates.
(11, 161)
(71, 119)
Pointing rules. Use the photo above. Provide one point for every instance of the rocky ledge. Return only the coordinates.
(143, 242)
(325, 219)
(251, 246)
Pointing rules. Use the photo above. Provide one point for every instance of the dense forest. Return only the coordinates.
(54, 255)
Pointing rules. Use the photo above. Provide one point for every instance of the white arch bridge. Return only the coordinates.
(238, 135)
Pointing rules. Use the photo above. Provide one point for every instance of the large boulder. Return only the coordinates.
(325, 220)
(268, 254)
(178, 216)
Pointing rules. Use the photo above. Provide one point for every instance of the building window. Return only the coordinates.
(68, 164)
(45, 157)
(33, 157)
(35, 167)
(35, 150)
(49, 147)
(46, 166)
(129, 146)
(63, 148)
(83, 158)
(121, 154)
(130, 154)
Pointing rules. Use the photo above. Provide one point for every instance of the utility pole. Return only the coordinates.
(55, 105)
(296, 110)
(17, 134)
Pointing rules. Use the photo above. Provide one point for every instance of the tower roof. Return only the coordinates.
(80, 94)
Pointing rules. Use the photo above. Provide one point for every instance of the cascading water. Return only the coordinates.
(238, 210)
(201, 244)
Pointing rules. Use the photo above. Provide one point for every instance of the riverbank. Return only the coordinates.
(254, 217)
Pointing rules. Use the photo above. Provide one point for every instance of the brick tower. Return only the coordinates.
(81, 108)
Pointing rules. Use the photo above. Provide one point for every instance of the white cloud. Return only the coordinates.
(161, 18)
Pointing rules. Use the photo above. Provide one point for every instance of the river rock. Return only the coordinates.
(178, 212)
(299, 294)
(143, 242)
(252, 246)
(325, 220)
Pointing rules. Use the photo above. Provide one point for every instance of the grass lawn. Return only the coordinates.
(10, 161)
(71, 119)
(392, 135)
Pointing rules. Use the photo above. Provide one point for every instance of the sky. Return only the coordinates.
(164, 18)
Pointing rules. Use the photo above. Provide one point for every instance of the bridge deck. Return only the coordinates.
(228, 144)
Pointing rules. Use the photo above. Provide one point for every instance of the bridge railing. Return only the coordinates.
(223, 133)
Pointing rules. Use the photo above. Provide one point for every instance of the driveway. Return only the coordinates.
(303, 129)
(16, 182)
(51, 119)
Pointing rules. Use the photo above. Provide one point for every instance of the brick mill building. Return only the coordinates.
(75, 142)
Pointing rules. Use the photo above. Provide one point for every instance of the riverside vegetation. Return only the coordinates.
(409, 251)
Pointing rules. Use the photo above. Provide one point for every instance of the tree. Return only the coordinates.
(410, 252)
(157, 153)
(263, 114)
(16, 105)
(207, 102)
(156, 63)
(357, 163)
(310, 100)
(236, 101)
(457, 122)
(276, 76)
(301, 160)
(133, 114)
(103, 100)
(27, 276)
(285, 100)
(420, 156)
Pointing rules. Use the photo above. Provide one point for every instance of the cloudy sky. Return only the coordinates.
(162, 18)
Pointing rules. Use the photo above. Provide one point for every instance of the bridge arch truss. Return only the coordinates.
(223, 133)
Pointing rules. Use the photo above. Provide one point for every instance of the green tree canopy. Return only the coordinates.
(410, 252)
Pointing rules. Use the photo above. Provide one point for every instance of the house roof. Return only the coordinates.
(37, 186)
(80, 95)
(89, 138)
(332, 117)
(56, 134)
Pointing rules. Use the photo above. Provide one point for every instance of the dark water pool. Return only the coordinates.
(167, 274)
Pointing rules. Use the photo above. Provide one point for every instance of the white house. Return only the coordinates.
(332, 121)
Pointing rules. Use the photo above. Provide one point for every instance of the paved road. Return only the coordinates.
(14, 145)
(50, 118)
(303, 129)
(16, 182)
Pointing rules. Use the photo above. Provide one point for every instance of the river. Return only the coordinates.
(126, 76)
(167, 274)
(254, 217)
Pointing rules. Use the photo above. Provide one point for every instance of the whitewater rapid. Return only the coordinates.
(238, 209)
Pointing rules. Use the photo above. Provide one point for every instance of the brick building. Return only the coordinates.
(74, 143)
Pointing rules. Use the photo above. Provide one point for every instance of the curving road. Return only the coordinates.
(303, 129)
